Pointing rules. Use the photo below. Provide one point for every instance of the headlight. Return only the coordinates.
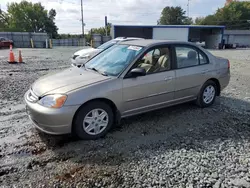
(53, 101)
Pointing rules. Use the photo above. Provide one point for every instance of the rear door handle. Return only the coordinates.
(204, 71)
(168, 78)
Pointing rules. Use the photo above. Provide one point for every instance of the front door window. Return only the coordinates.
(156, 60)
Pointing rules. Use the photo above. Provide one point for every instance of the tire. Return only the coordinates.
(86, 121)
(203, 101)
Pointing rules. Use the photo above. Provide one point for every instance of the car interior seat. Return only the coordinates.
(192, 55)
(163, 62)
(191, 59)
(147, 63)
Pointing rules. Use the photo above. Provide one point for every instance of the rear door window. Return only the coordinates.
(188, 56)
(203, 59)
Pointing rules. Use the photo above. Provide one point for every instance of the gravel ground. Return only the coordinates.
(181, 146)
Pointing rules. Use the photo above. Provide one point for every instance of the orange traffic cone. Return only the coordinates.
(20, 59)
(11, 56)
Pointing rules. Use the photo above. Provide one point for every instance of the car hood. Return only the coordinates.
(85, 56)
(86, 51)
(66, 80)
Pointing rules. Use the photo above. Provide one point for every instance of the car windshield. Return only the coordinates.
(107, 44)
(113, 60)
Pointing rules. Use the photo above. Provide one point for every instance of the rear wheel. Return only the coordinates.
(207, 94)
(93, 120)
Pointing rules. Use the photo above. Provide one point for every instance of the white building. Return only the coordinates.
(211, 36)
(240, 38)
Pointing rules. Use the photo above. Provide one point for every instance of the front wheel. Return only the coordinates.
(93, 120)
(207, 94)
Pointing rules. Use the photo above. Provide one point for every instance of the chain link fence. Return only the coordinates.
(42, 40)
(26, 39)
(69, 42)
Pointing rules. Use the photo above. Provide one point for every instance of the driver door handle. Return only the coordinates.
(168, 78)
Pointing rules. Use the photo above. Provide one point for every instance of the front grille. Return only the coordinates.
(74, 56)
(31, 96)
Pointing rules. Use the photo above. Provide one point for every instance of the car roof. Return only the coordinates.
(149, 42)
(127, 38)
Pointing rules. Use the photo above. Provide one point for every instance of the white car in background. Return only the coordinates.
(81, 56)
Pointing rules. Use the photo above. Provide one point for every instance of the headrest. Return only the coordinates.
(192, 55)
(164, 51)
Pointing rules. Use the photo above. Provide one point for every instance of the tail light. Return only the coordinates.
(228, 64)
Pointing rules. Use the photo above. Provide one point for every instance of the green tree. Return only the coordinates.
(199, 20)
(173, 16)
(188, 21)
(101, 30)
(4, 19)
(234, 15)
(52, 14)
(209, 20)
(50, 26)
(28, 17)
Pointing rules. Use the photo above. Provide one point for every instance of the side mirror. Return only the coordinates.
(137, 72)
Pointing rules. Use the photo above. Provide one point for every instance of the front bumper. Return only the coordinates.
(49, 120)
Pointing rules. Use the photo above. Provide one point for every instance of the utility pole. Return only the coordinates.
(82, 20)
(106, 25)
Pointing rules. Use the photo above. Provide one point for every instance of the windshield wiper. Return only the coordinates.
(102, 73)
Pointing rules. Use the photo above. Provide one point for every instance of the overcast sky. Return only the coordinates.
(118, 11)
